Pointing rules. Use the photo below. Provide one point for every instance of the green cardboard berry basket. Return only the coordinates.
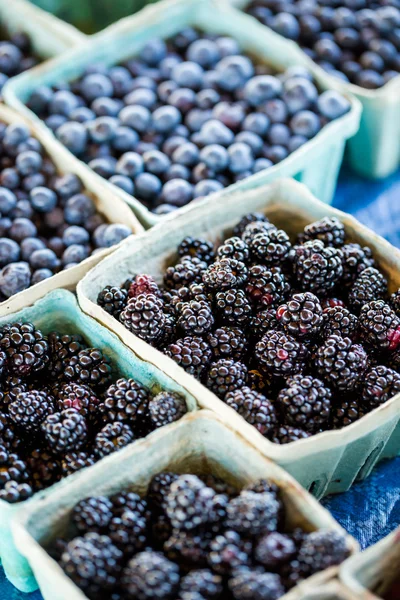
(199, 443)
(59, 311)
(328, 462)
(316, 163)
(375, 149)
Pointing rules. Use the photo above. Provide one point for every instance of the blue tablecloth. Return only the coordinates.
(371, 509)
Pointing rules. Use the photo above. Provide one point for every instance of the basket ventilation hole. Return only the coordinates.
(369, 462)
(317, 487)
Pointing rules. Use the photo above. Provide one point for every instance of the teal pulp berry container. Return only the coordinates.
(328, 462)
(316, 163)
(374, 151)
(59, 311)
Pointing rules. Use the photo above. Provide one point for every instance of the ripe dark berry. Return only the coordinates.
(280, 354)
(224, 274)
(129, 527)
(202, 582)
(26, 348)
(301, 316)
(113, 299)
(166, 407)
(337, 320)
(274, 549)
(266, 286)
(329, 230)
(355, 260)
(262, 322)
(92, 514)
(126, 401)
(44, 469)
(227, 342)
(253, 514)
(233, 308)
(195, 317)
(229, 551)
(188, 548)
(379, 326)
(341, 363)
(192, 353)
(254, 407)
(199, 248)
(189, 503)
(61, 349)
(65, 431)
(144, 317)
(30, 409)
(226, 375)
(159, 488)
(244, 221)
(369, 284)
(305, 402)
(75, 461)
(317, 268)
(79, 397)
(252, 583)
(322, 549)
(287, 435)
(347, 411)
(111, 438)
(236, 248)
(270, 247)
(89, 367)
(187, 271)
(150, 575)
(379, 385)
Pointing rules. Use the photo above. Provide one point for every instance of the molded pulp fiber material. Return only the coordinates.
(107, 203)
(199, 443)
(328, 462)
(374, 151)
(59, 311)
(330, 591)
(316, 163)
(374, 570)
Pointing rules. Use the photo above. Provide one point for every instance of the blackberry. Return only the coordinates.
(287, 435)
(226, 375)
(317, 268)
(65, 431)
(328, 229)
(14, 476)
(143, 316)
(369, 284)
(255, 584)
(263, 485)
(380, 384)
(228, 552)
(79, 397)
(170, 330)
(184, 273)
(253, 514)
(44, 469)
(341, 363)
(198, 248)
(331, 303)
(11, 388)
(203, 582)
(26, 348)
(93, 563)
(394, 360)
(321, 550)
(232, 307)
(253, 229)
(30, 409)
(176, 298)
(188, 548)
(254, 407)
(128, 531)
(219, 485)
(61, 349)
(3, 364)
(143, 284)
(189, 503)
(7, 435)
(224, 274)
(129, 501)
(260, 382)
(236, 248)
(395, 302)
(270, 247)
(301, 316)
(227, 342)
(195, 318)
(14, 492)
(246, 219)
(379, 326)
(113, 300)
(89, 367)
(111, 438)
(266, 286)
(75, 461)
(346, 412)
(161, 530)
(305, 402)
(355, 260)
(150, 575)
(191, 353)
(337, 320)
(159, 488)
(274, 549)
(264, 321)
(280, 353)
(125, 401)
(166, 407)
(92, 514)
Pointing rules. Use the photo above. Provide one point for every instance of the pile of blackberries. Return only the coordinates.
(47, 221)
(16, 55)
(191, 538)
(60, 410)
(358, 41)
(298, 336)
(187, 117)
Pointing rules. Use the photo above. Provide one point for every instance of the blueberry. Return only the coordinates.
(54, 122)
(40, 99)
(106, 107)
(14, 278)
(332, 105)
(30, 144)
(121, 80)
(165, 89)
(186, 154)
(164, 209)
(114, 234)
(63, 103)
(234, 71)
(384, 48)
(276, 110)
(74, 254)
(196, 118)
(73, 136)
(240, 157)
(43, 199)
(142, 97)
(206, 187)
(102, 129)
(79, 208)
(177, 171)
(286, 24)
(8, 201)
(215, 132)
(227, 46)
(261, 163)
(188, 74)
(130, 164)
(278, 134)
(75, 235)
(124, 183)
(9, 178)
(40, 275)
(167, 64)
(172, 143)
(124, 139)
(327, 50)
(154, 51)
(98, 235)
(252, 140)
(67, 185)
(28, 162)
(296, 141)
(204, 52)
(256, 123)
(82, 114)
(371, 80)
(55, 218)
(184, 99)
(9, 251)
(147, 186)
(275, 153)
(177, 192)
(207, 98)
(96, 85)
(166, 118)
(21, 229)
(231, 115)
(299, 94)
(184, 38)
(32, 181)
(136, 116)
(5, 224)
(156, 162)
(14, 135)
(29, 245)
(44, 259)
(215, 157)
(305, 123)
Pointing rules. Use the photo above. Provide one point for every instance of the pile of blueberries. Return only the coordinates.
(16, 55)
(185, 118)
(47, 221)
(356, 40)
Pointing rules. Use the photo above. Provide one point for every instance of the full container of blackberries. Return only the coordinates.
(168, 114)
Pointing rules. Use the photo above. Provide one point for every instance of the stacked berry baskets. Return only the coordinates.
(71, 394)
(205, 514)
(294, 333)
(173, 118)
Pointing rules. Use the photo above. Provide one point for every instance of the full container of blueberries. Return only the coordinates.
(202, 149)
(200, 444)
(59, 311)
(328, 461)
(360, 55)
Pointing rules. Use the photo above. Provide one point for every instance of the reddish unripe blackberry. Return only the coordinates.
(65, 430)
(184, 273)
(188, 548)
(227, 342)
(197, 248)
(203, 582)
(111, 438)
(253, 229)
(328, 229)
(89, 367)
(26, 348)
(280, 353)
(226, 375)
(234, 247)
(379, 385)
(150, 575)
(317, 268)
(189, 503)
(126, 401)
(128, 531)
(355, 260)
(369, 284)
(322, 549)
(44, 469)
(30, 409)
(75, 461)
(301, 316)
(264, 321)
(79, 397)
(159, 488)
(274, 549)
(270, 247)
(255, 584)
(305, 402)
(228, 552)
(331, 303)
(346, 412)
(337, 320)
(61, 349)
(166, 408)
(379, 326)
(92, 514)
(287, 435)
(254, 407)
(225, 274)
(246, 219)
(143, 284)
(253, 514)
(192, 353)
(232, 307)
(266, 286)
(113, 300)
(144, 317)
(341, 363)
(195, 318)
